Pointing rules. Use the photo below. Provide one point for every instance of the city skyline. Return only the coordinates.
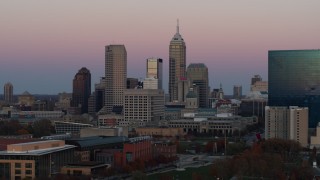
(43, 44)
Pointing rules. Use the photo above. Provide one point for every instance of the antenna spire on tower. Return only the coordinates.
(177, 26)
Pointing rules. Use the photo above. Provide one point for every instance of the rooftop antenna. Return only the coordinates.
(177, 26)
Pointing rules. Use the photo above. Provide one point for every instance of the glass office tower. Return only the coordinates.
(294, 80)
(154, 70)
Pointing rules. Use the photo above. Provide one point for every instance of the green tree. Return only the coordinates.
(41, 128)
(138, 175)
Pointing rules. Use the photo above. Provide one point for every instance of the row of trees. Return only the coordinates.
(38, 128)
(274, 159)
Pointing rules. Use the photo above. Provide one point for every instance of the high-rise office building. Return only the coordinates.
(132, 83)
(154, 71)
(8, 93)
(294, 80)
(287, 123)
(81, 89)
(255, 79)
(237, 92)
(142, 106)
(197, 74)
(116, 75)
(99, 99)
(177, 63)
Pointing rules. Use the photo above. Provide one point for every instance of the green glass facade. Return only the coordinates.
(294, 80)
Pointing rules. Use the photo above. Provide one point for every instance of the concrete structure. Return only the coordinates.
(158, 131)
(255, 78)
(177, 63)
(287, 123)
(216, 125)
(253, 107)
(168, 150)
(192, 100)
(217, 93)
(154, 71)
(31, 116)
(104, 131)
(99, 95)
(143, 105)
(81, 89)
(197, 74)
(182, 87)
(84, 168)
(69, 127)
(150, 83)
(64, 101)
(35, 159)
(116, 75)
(132, 83)
(294, 79)
(8, 93)
(111, 120)
(237, 91)
(315, 140)
(88, 147)
(260, 86)
(139, 148)
(26, 99)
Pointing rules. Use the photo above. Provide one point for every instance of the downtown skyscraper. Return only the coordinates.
(294, 80)
(177, 64)
(8, 92)
(81, 89)
(153, 74)
(197, 74)
(115, 75)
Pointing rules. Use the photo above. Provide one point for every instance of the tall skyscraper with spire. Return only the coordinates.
(177, 63)
(8, 93)
(116, 75)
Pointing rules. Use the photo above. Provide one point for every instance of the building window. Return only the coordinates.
(77, 172)
(18, 165)
(28, 165)
(28, 172)
(17, 171)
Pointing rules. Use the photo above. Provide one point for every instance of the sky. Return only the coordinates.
(43, 44)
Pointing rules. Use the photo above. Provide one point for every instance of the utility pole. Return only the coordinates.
(225, 143)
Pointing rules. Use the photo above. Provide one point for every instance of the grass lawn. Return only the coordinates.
(189, 173)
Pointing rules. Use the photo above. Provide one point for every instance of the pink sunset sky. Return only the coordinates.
(44, 43)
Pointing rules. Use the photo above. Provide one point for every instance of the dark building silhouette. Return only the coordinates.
(197, 74)
(294, 80)
(8, 93)
(255, 79)
(81, 89)
(132, 83)
(100, 90)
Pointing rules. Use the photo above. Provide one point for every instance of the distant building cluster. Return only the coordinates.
(126, 119)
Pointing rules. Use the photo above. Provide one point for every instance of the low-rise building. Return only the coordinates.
(159, 131)
(315, 140)
(167, 150)
(69, 127)
(219, 124)
(137, 148)
(104, 131)
(84, 168)
(88, 147)
(35, 159)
